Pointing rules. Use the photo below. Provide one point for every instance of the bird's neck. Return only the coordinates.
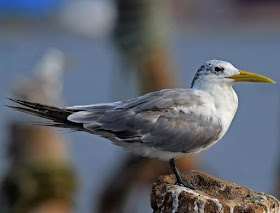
(225, 101)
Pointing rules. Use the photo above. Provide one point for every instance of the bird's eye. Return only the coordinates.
(219, 69)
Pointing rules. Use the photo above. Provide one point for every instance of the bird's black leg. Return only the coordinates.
(179, 178)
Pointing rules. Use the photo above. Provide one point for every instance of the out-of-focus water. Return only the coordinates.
(247, 155)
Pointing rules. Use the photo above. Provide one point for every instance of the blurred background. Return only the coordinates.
(89, 51)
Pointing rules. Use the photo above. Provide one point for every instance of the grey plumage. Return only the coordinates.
(156, 119)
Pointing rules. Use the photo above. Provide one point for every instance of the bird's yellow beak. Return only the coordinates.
(251, 77)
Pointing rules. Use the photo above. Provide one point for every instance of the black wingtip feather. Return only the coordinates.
(57, 116)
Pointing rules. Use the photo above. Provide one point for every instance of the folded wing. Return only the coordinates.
(160, 119)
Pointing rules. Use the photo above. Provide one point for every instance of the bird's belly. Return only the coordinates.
(151, 152)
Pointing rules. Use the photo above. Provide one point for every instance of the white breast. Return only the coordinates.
(226, 104)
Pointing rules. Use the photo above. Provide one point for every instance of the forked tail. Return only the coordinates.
(57, 116)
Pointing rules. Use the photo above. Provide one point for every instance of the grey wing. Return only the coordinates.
(153, 119)
(95, 107)
(162, 99)
(182, 132)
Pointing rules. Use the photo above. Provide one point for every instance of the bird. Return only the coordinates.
(167, 124)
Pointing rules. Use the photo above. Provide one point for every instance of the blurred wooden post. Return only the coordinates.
(141, 34)
(215, 195)
(40, 178)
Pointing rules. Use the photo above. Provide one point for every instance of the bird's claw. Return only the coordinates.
(188, 185)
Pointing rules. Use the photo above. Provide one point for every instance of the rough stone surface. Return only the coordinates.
(215, 196)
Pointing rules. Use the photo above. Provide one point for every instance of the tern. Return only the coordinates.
(166, 124)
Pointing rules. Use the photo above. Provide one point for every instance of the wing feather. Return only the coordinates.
(155, 119)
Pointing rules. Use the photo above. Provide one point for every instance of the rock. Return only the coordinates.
(215, 196)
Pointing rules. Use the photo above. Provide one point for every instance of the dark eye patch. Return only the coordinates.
(219, 69)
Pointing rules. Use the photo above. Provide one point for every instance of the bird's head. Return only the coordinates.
(216, 72)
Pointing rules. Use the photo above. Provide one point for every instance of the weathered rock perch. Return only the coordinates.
(215, 196)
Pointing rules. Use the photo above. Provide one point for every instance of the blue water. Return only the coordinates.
(247, 155)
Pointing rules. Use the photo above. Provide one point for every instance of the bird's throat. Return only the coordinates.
(226, 104)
